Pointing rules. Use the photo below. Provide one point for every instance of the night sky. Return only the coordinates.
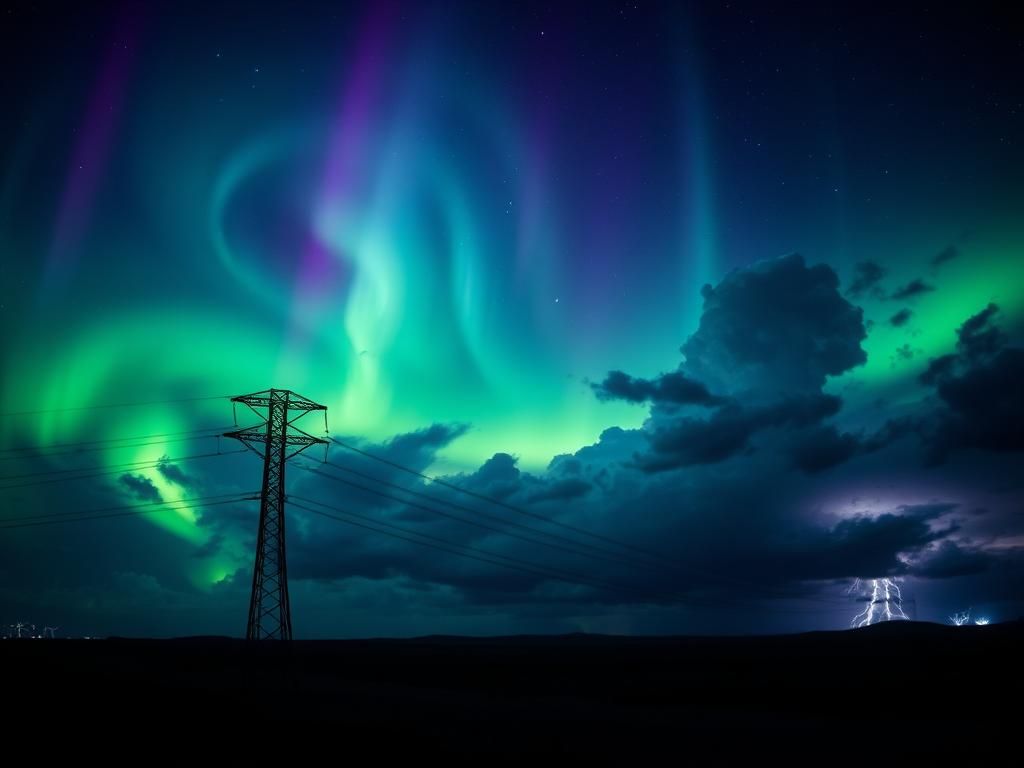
(732, 293)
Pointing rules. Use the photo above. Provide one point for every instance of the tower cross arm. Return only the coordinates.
(263, 399)
(257, 435)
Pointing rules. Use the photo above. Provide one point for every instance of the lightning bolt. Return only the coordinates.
(885, 603)
(959, 619)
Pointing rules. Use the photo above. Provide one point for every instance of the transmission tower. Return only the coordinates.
(276, 440)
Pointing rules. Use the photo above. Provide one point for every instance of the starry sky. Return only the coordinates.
(717, 309)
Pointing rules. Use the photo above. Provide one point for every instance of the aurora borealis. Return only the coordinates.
(451, 223)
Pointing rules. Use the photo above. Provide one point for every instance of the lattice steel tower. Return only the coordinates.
(270, 615)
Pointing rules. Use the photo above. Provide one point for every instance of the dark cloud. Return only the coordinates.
(498, 476)
(867, 276)
(685, 441)
(904, 352)
(949, 560)
(946, 254)
(174, 474)
(890, 432)
(869, 547)
(140, 486)
(901, 318)
(561, 490)
(912, 290)
(776, 327)
(928, 511)
(978, 338)
(725, 529)
(822, 448)
(980, 386)
(772, 330)
(671, 388)
(417, 449)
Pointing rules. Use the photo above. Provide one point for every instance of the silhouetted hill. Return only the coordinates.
(903, 687)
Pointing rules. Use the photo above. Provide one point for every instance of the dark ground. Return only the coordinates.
(900, 687)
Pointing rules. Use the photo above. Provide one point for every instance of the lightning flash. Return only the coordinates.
(959, 619)
(884, 604)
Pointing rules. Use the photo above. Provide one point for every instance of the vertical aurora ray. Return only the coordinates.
(318, 284)
(91, 151)
(697, 213)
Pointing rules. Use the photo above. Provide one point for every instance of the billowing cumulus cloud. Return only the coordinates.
(686, 441)
(776, 327)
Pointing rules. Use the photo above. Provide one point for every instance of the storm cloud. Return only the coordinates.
(776, 327)
(673, 388)
(979, 385)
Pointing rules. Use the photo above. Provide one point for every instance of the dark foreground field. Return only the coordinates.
(906, 687)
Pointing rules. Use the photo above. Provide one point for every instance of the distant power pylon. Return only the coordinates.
(269, 610)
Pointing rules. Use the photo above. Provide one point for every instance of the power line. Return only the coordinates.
(114, 405)
(77, 451)
(183, 505)
(35, 448)
(4, 520)
(766, 592)
(150, 465)
(619, 557)
(499, 502)
(664, 561)
(478, 554)
(126, 465)
(602, 554)
(443, 545)
(598, 553)
(475, 553)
